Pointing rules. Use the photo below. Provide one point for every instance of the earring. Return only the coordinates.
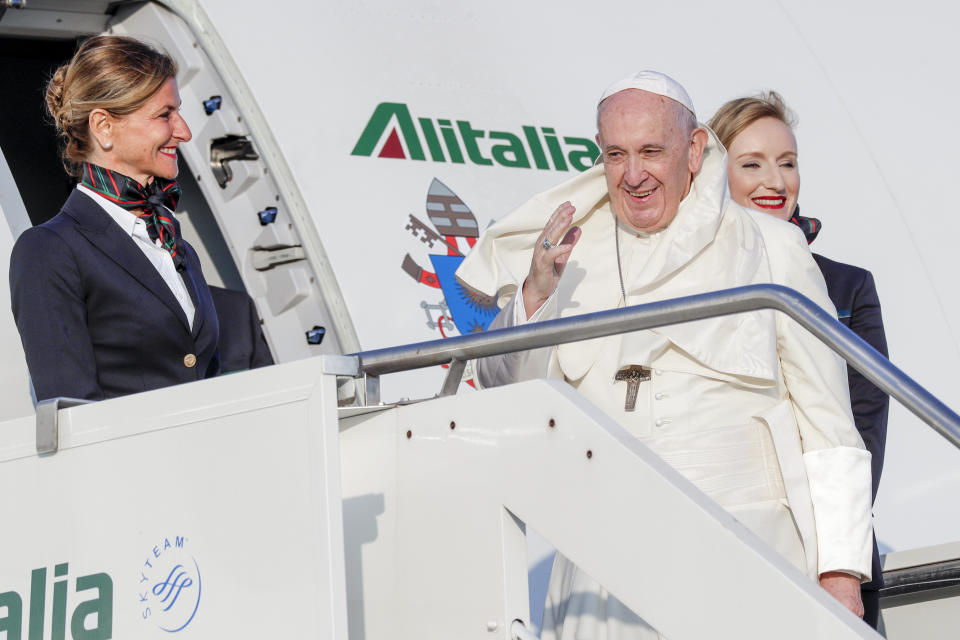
(107, 145)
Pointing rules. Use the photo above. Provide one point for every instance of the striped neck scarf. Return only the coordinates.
(810, 226)
(150, 203)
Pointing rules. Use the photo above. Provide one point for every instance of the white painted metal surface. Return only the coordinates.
(502, 65)
(213, 506)
(921, 556)
(927, 619)
(436, 495)
(308, 76)
(15, 393)
(933, 614)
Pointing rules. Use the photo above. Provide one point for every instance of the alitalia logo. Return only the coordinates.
(28, 615)
(393, 133)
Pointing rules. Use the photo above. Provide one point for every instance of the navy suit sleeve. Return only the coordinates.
(242, 345)
(261, 352)
(46, 292)
(870, 405)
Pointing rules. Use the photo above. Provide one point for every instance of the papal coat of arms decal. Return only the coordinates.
(454, 232)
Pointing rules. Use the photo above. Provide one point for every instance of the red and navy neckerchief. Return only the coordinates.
(147, 203)
(810, 226)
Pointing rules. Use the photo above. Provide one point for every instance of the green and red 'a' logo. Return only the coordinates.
(391, 133)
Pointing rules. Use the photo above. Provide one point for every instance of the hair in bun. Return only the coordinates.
(115, 73)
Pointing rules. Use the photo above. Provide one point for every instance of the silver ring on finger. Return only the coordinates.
(548, 245)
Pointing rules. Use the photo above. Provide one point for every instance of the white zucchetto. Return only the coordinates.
(652, 82)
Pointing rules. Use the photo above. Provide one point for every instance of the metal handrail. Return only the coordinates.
(860, 355)
(927, 577)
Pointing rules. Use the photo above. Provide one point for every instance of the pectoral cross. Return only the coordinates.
(634, 375)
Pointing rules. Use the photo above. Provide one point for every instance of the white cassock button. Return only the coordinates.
(658, 372)
(659, 422)
(658, 395)
(189, 360)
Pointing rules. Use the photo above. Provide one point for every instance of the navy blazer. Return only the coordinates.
(242, 345)
(96, 318)
(854, 294)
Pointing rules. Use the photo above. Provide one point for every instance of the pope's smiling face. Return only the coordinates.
(651, 152)
(763, 173)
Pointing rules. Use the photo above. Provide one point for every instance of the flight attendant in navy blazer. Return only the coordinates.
(763, 174)
(108, 298)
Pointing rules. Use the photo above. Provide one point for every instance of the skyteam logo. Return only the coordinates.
(391, 133)
(170, 585)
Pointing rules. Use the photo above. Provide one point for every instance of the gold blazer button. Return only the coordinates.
(189, 360)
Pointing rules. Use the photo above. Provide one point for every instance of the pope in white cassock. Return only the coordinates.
(750, 408)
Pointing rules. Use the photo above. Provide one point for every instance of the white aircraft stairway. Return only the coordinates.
(288, 519)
